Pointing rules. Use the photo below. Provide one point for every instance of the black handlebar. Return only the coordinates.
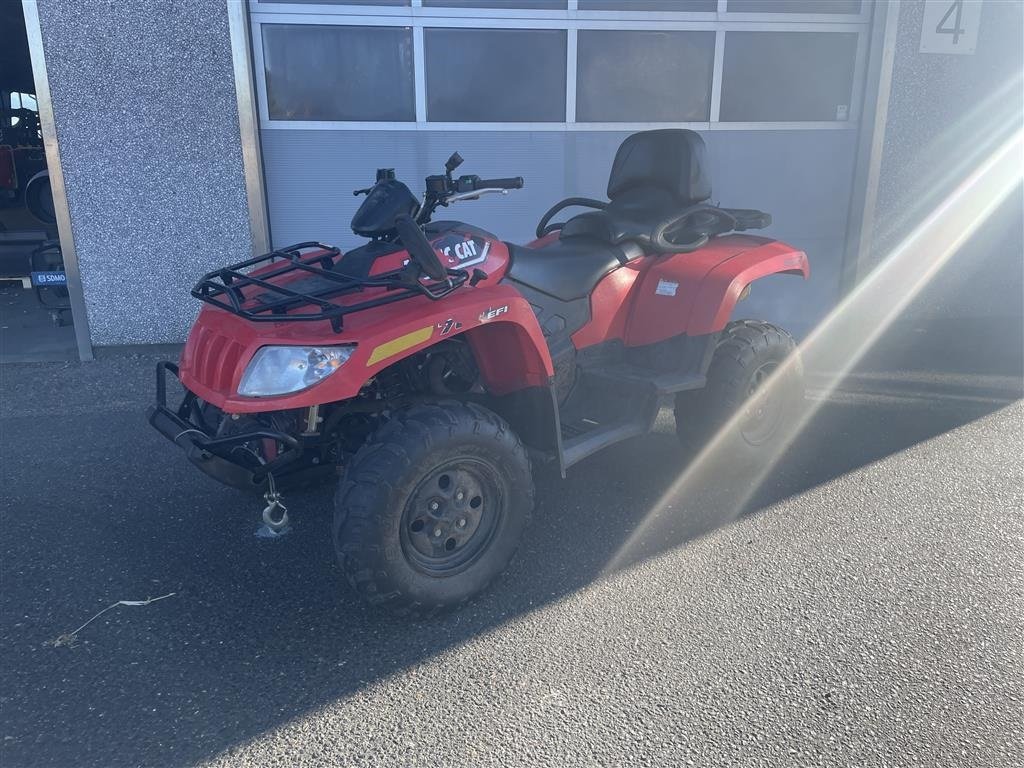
(444, 189)
(515, 182)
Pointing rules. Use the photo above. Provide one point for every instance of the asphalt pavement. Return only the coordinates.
(866, 607)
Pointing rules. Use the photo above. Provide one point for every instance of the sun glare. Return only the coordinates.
(856, 323)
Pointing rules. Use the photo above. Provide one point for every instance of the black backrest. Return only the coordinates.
(672, 159)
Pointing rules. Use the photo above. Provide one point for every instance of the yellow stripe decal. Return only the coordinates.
(399, 345)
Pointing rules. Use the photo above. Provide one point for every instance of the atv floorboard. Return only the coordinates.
(631, 392)
(579, 443)
(663, 382)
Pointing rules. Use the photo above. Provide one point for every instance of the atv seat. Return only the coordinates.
(658, 191)
(567, 269)
(658, 183)
(656, 175)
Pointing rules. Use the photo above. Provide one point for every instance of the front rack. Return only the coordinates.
(277, 303)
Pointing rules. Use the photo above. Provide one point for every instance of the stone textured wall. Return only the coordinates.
(946, 114)
(147, 122)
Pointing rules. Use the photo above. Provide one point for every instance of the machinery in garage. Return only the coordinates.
(33, 282)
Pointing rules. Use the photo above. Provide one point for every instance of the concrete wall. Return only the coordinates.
(147, 122)
(946, 113)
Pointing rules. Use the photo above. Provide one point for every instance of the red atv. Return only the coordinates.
(428, 366)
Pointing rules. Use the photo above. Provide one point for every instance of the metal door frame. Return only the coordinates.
(76, 296)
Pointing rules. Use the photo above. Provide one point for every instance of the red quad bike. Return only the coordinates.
(425, 369)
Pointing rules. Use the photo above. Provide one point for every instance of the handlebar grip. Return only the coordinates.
(516, 182)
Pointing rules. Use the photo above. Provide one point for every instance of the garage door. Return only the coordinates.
(547, 89)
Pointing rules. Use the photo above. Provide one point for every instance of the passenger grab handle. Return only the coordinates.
(715, 221)
(543, 228)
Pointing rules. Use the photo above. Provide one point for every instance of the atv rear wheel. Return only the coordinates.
(432, 507)
(748, 353)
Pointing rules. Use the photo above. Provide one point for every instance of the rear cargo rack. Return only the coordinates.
(271, 302)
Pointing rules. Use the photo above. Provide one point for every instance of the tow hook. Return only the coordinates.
(275, 514)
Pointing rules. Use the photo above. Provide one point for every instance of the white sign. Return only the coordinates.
(666, 288)
(950, 26)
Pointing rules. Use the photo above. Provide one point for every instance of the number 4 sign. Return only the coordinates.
(950, 26)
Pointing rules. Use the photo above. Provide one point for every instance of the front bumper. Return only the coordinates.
(227, 458)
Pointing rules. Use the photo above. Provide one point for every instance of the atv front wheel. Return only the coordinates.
(432, 507)
(748, 353)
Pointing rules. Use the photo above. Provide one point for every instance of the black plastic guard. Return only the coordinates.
(220, 458)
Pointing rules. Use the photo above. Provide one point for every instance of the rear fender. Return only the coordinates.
(695, 293)
(722, 287)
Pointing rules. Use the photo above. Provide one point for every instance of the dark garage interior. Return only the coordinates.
(35, 314)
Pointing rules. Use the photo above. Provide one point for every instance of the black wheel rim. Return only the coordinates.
(762, 412)
(451, 517)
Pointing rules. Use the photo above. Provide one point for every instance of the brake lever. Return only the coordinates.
(474, 194)
(357, 192)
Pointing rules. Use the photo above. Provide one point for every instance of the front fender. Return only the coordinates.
(491, 317)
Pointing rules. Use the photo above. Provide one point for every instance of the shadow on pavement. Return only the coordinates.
(100, 508)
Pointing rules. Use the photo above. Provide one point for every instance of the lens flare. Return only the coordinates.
(844, 336)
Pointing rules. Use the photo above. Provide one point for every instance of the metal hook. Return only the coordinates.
(268, 516)
(273, 499)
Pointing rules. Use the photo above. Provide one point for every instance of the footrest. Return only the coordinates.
(585, 443)
(662, 382)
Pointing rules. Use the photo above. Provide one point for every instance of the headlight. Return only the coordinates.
(280, 370)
